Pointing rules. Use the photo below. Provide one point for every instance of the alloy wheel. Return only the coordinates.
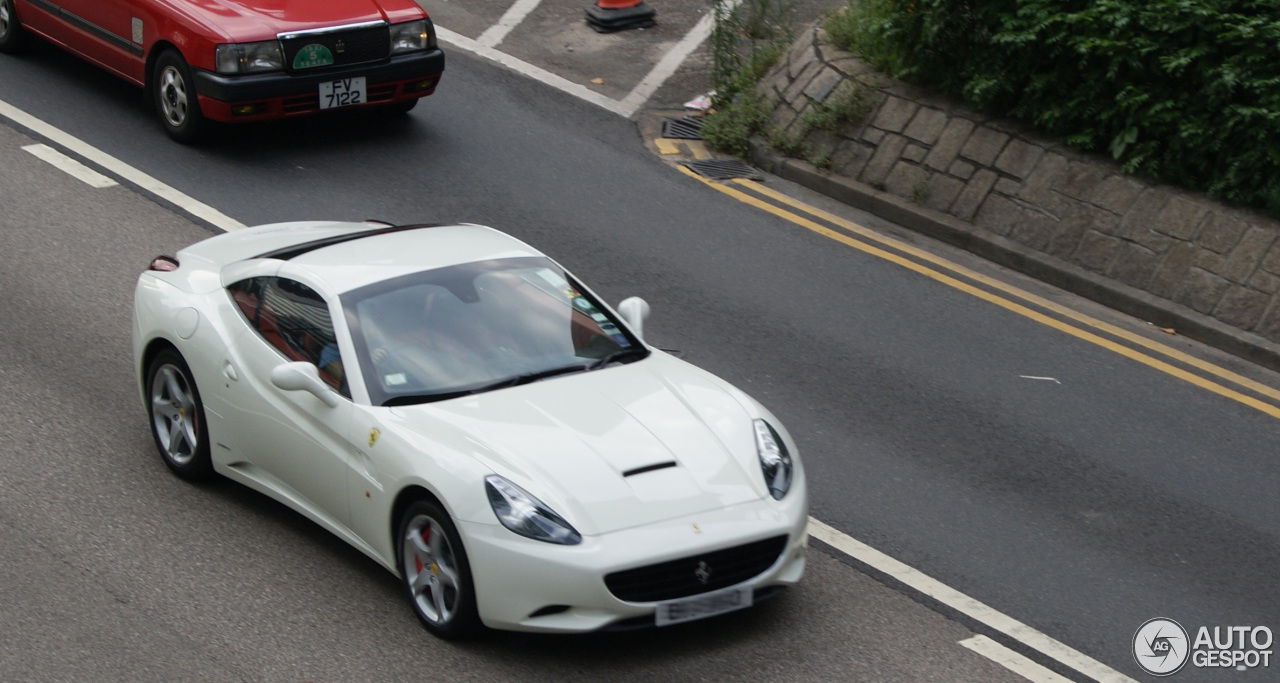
(430, 569)
(174, 415)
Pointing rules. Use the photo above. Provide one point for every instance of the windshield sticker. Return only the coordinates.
(615, 334)
(395, 380)
(312, 56)
(554, 278)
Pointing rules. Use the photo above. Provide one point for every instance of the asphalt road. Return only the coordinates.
(113, 569)
(1082, 506)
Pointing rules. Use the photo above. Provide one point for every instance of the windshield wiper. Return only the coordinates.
(515, 381)
(531, 377)
(414, 399)
(618, 356)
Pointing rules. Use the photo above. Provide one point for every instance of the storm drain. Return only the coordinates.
(723, 169)
(682, 129)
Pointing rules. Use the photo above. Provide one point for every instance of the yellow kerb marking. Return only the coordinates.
(1125, 351)
(672, 146)
(1024, 295)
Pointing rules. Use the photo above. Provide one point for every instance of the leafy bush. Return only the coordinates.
(1186, 91)
(746, 42)
(729, 128)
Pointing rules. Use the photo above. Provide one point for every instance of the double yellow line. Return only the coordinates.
(1143, 350)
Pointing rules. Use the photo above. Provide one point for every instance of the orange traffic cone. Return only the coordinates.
(607, 16)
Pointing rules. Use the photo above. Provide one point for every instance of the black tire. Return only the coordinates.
(174, 95)
(13, 38)
(176, 416)
(428, 564)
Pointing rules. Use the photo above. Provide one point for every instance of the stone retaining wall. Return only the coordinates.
(1004, 180)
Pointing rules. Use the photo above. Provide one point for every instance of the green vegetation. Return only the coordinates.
(1185, 91)
(745, 42)
(847, 105)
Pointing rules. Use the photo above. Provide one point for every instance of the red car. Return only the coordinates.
(243, 60)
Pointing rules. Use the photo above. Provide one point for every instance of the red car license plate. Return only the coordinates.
(342, 93)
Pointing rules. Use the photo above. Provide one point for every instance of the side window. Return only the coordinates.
(295, 320)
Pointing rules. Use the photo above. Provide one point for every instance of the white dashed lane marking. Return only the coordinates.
(919, 581)
(70, 166)
(145, 182)
(1012, 660)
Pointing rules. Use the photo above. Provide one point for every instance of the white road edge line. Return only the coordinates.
(917, 580)
(196, 208)
(496, 33)
(671, 61)
(1012, 660)
(538, 73)
(827, 534)
(629, 105)
(70, 166)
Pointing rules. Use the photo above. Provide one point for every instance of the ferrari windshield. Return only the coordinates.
(476, 327)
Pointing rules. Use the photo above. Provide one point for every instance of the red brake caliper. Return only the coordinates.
(426, 540)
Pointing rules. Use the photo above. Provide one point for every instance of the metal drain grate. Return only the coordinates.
(723, 170)
(682, 129)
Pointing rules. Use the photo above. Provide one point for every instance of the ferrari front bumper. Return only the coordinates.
(527, 585)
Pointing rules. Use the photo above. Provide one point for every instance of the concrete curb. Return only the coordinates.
(1010, 254)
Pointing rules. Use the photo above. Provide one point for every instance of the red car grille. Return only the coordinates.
(354, 46)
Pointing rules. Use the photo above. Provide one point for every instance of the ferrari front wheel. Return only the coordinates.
(177, 417)
(435, 572)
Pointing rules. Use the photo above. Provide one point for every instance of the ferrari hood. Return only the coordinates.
(619, 447)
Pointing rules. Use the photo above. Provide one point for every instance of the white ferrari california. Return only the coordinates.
(461, 409)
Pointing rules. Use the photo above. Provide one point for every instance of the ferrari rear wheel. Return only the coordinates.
(175, 98)
(435, 572)
(12, 36)
(177, 417)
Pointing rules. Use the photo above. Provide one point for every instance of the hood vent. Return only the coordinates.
(649, 468)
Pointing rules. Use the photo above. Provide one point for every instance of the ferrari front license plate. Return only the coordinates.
(342, 93)
(702, 606)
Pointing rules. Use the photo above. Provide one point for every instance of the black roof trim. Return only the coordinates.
(299, 249)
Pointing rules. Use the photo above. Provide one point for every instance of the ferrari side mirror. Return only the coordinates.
(303, 376)
(634, 311)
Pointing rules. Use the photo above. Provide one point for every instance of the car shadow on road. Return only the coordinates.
(623, 649)
(333, 132)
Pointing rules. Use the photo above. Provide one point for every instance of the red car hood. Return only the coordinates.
(251, 20)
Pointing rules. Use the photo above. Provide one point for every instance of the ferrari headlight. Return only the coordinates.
(775, 461)
(412, 36)
(520, 512)
(245, 58)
